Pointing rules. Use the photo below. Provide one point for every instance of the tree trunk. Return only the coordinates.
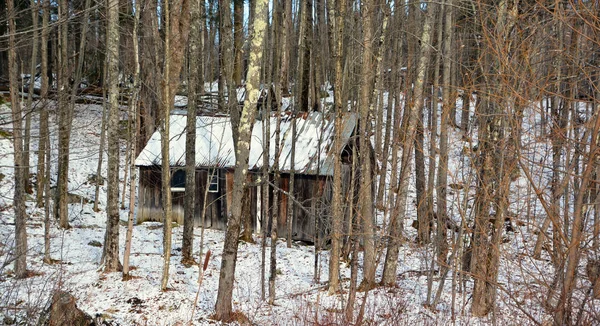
(44, 132)
(286, 32)
(442, 182)
(274, 226)
(493, 174)
(337, 11)
(265, 191)
(43, 169)
(304, 44)
(238, 41)
(110, 255)
(134, 118)
(33, 65)
(64, 124)
(223, 306)
(20, 252)
(98, 178)
(366, 182)
(399, 211)
(176, 23)
(195, 89)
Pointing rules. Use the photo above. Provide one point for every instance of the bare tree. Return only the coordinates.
(43, 169)
(20, 253)
(195, 90)
(110, 254)
(399, 210)
(134, 119)
(337, 11)
(177, 19)
(223, 306)
(64, 122)
(366, 182)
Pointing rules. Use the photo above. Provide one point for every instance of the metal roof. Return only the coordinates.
(214, 143)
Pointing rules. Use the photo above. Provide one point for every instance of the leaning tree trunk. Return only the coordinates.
(110, 254)
(399, 210)
(223, 306)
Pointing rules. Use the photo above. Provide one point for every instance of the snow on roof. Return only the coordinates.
(214, 143)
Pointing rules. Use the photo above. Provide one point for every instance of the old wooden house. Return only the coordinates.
(215, 162)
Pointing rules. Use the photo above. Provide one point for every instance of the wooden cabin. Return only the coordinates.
(215, 162)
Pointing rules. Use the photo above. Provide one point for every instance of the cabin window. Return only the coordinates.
(213, 176)
(178, 181)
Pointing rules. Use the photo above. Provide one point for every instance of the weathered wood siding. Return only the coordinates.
(312, 207)
(217, 203)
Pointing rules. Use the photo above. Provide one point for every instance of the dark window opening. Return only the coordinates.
(178, 180)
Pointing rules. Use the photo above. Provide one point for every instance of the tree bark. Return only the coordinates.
(43, 185)
(276, 210)
(223, 306)
(134, 118)
(110, 254)
(176, 23)
(195, 89)
(493, 172)
(44, 132)
(20, 253)
(442, 182)
(399, 211)
(32, 77)
(337, 12)
(238, 40)
(366, 182)
(286, 32)
(64, 124)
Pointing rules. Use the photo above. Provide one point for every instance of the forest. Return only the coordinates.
(299, 162)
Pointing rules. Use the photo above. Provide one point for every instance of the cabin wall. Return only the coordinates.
(149, 195)
(312, 207)
(215, 211)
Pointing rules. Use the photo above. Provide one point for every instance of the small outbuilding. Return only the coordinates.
(215, 163)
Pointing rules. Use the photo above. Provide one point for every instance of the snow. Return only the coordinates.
(299, 299)
(214, 143)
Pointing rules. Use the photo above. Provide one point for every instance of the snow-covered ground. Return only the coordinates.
(299, 299)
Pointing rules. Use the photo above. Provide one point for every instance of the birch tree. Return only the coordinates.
(223, 306)
(134, 119)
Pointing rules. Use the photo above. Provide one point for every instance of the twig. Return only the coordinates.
(200, 278)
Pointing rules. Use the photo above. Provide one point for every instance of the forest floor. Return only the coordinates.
(299, 299)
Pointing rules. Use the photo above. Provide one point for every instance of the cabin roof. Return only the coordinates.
(214, 143)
